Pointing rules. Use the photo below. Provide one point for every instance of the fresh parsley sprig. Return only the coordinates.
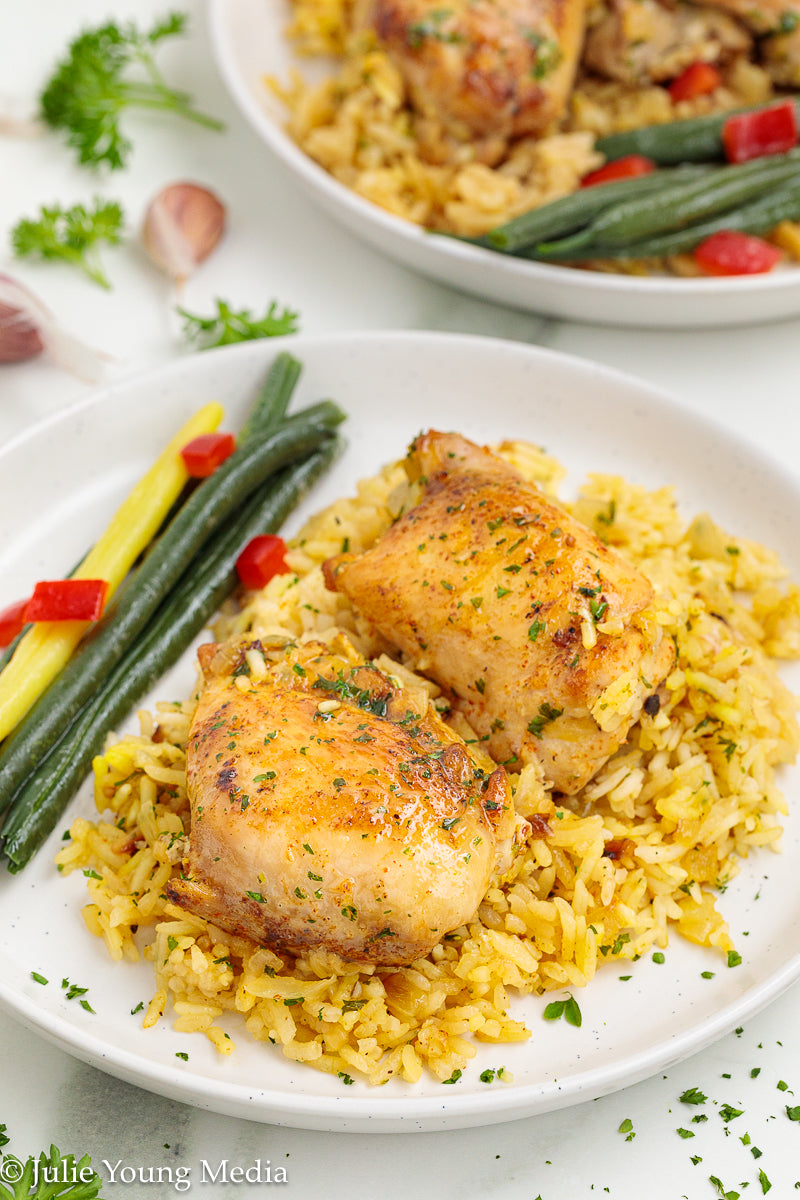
(227, 326)
(52, 1176)
(94, 83)
(71, 235)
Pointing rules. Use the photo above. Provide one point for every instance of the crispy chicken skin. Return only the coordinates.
(485, 71)
(331, 807)
(519, 611)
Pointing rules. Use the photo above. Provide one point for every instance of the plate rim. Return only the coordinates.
(409, 1112)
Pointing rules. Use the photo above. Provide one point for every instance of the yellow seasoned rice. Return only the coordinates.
(358, 125)
(642, 851)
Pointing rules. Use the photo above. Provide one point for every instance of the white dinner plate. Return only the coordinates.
(58, 484)
(249, 41)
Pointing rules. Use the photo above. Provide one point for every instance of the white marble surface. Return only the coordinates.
(280, 247)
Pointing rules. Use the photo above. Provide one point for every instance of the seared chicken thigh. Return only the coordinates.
(780, 53)
(332, 807)
(484, 71)
(519, 611)
(777, 22)
(644, 41)
(764, 16)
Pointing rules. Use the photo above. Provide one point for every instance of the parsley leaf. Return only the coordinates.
(228, 325)
(568, 1009)
(93, 84)
(71, 235)
(547, 713)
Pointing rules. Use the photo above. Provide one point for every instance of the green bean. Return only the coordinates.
(698, 139)
(570, 213)
(206, 510)
(202, 587)
(760, 216)
(678, 206)
(272, 399)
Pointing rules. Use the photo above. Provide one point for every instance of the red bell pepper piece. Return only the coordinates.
(732, 253)
(772, 130)
(203, 454)
(627, 167)
(262, 558)
(67, 600)
(699, 79)
(12, 621)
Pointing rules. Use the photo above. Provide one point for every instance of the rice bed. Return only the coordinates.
(644, 850)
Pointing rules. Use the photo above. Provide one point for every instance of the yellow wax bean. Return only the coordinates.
(47, 646)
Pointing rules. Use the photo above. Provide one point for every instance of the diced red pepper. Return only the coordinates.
(262, 558)
(732, 253)
(12, 621)
(203, 454)
(627, 167)
(772, 130)
(699, 79)
(67, 600)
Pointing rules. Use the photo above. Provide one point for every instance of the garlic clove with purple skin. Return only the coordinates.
(20, 338)
(27, 327)
(182, 225)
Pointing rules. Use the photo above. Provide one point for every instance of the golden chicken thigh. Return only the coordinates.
(644, 41)
(484, 71)
(529, 621)
(332, 807)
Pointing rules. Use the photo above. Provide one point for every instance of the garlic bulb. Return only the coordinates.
(182, 225)
(27, 327)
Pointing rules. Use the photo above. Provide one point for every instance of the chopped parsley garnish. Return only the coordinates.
(347, 690)
(692, 1096)
(431, 27)
(546, 714)
(454, 1078)
(567, 1008)
(598, 609)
